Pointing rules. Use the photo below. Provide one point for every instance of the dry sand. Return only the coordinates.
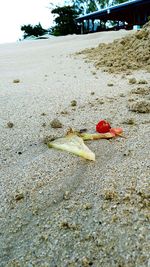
(127, 54)
(58, 209)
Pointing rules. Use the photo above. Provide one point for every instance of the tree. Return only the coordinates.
(91, 7)
(65, 20)
(36, 30)
(65, 16)
(88, 6)
(115, 2)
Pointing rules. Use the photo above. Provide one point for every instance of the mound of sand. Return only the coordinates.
(142, 104)
(129, 53)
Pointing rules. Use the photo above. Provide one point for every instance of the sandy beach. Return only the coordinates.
(57, 209)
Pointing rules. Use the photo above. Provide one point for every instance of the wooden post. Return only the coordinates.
(88, 25)
(92, 25)
(82, 27)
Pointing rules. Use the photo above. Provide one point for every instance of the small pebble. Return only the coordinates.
(56, 124)
(127, 153)
(110, 195)
(100, 101)
(110, 84)
(66, 225)
(132, 80)
(121, 95)
(142, 81)
(19, 196)
(93, 72)
(87, 206)
(10, 124)
(130, 121)
(66, 195)
(92, 93)
(64, 112)
(86, 262)
(73, 103)
(16, 81)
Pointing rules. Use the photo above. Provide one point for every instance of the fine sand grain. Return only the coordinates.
(58, 209)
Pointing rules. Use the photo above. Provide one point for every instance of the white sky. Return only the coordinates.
(14, 13)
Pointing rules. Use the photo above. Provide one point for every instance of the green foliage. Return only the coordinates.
(91, 7)
(115, 2)
(103, 3)
(29, 30)
(88, 6)
(65, 20)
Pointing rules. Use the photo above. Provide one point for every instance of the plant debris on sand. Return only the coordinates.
(129, 53)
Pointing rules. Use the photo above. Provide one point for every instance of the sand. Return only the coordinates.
(127, 54)
(58, 209)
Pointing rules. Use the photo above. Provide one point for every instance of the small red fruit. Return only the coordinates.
(103, 127)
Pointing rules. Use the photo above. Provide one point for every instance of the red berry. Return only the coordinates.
(103, 127)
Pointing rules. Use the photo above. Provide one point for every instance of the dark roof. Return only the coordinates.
(109, 12)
